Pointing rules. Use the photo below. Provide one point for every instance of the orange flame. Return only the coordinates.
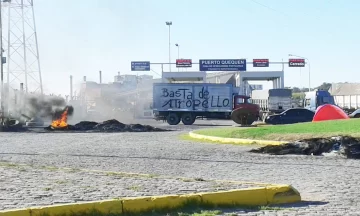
(62, 121)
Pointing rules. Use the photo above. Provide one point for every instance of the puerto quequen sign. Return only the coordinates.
(222, 65)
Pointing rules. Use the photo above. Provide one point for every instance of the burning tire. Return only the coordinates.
(60, 118)
(188, 119)
(173, 119)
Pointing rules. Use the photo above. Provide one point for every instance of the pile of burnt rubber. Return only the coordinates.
(12, 126)
(344, 146)
(107, 126)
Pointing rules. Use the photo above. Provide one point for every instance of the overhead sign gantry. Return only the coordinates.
(238, 66)
(217, 64)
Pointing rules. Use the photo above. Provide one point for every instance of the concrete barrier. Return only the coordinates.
(194, 135)
(258, 196)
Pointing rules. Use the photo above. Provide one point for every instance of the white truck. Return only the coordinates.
(272, 101)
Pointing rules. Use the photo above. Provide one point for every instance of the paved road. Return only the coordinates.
(331, 184)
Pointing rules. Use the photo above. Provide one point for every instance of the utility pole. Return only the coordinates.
(169, 23)
(71, 87)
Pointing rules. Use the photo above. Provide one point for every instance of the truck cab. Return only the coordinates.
(242, 101)
(245, 102)
(244, 111)
(317, 98)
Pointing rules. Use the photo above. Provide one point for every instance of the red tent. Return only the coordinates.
(329, 112)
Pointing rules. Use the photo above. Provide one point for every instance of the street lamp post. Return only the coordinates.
(308, 64)
(178, 46)
(169, 23)
(2, 68)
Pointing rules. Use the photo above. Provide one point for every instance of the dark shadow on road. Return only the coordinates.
(178, 159)
(274, 208)
(302, 204)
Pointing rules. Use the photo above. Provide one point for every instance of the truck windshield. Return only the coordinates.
(325, 100)
(243, 100)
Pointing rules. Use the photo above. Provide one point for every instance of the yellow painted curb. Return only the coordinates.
(234, 140)
(271, 194)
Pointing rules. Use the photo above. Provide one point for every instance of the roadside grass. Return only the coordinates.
(350, 127)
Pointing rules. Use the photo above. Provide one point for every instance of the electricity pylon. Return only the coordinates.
(20, 46)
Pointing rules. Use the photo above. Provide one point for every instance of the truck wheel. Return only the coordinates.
(250, 119)
(243, 117)
(173, 119)
(187, 119)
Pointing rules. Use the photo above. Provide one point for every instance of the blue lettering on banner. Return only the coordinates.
(222, 65)
(140, 66)
(184, 98)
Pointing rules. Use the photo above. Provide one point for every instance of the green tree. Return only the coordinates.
(325, 86)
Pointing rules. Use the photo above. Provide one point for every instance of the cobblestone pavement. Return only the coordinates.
(331, 185)
(27, 186)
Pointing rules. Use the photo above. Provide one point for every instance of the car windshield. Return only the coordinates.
(286, 111)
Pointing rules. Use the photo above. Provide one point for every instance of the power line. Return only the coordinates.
(270, 8)
(285, 14)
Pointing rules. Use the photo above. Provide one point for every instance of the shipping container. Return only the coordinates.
(273, 100)
(347, 101)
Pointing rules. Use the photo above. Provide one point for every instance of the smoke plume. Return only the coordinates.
(36, 106)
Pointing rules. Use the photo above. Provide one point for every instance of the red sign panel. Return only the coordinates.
(296, 62)
(260, 62)
(183, 63)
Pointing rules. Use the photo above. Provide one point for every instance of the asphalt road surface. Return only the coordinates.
(329, 185)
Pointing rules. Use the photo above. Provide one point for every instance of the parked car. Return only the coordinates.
(355, 114)
(291, 116)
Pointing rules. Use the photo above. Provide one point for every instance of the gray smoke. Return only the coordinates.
(44, 107)
(36, 106)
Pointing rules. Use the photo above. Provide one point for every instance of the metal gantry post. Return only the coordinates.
(24, 46)
(37, 48)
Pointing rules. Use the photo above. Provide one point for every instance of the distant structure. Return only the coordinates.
(20, 46)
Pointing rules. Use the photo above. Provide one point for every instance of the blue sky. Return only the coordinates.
(85, 36)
